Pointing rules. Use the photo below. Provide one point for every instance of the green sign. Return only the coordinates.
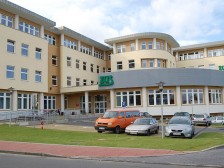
(106, 80)
(221, 68)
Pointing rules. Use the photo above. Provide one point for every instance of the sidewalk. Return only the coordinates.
(72, 151)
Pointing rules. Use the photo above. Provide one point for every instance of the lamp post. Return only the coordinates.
(160, 84)
(11, 103)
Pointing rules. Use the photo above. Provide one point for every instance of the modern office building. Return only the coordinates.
(44, 67)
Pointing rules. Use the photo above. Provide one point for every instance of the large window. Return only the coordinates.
(69, 61)
(192, 96)
(6, 20)
(27, 28)
(38, 76)
(84, 82)
(54, 80)
(38, 53)
(49, 102)
(97, 69)
(119, 65)
(215, 52)
(69, 81)
(84, 66)
(132, 46)
(129, 98)
(87, 50)
(77, 64)
(131, 64)
(121, 48)
(24, 49)
(150, 45)
(70, 44)
(10, 46)
(51, 40)
(154, 97)
(215, 96)
(24, 101)
(191, 55)
(98, 54)
(5, 99)
(143, 45)
(54, 60)
(82, 103)
(10, 72)
(91, 67)
(77, 82)
(24, 73)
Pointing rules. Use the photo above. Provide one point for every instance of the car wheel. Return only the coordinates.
(207, 124)
(148, 133)
(157, 131)
(99, 131)
(117, 130)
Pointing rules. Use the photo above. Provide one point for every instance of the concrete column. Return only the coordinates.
(111, 99)
(205, 52)
(114, 49)
(155, 63)
(41, 103)
(178, 98)
(62, 102)
(166, 48)
(206, 99)
(136, 44)
(17, 22)
(144, 99)
(14, 100)
(62, 39)
(79, 45)
(177, 56)
(42, 31)
(93, 49)
(154, 43)
(104, 56)
(87, 102)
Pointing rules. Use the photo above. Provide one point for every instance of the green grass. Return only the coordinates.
(217, 126)
(25, 134)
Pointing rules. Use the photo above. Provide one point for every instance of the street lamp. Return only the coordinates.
(160, 84)
(11, 102)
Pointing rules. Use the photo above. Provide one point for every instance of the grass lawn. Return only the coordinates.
(217, 126)
(25, 134)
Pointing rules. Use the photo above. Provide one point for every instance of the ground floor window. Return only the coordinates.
(154, 97)
(129, 98)
(82, 103)
(192, 96)
(24, 101)
(50, 102)
(100, 104)
(215, 96)
(5, 100)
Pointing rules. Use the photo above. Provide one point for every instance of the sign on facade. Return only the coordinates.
(106, 80)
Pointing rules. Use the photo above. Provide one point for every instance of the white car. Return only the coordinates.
(217, 120)
(144, 126)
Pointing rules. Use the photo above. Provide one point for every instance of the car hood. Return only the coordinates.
(178, 126)
(138, 127)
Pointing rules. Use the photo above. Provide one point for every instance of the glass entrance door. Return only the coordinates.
(100, 104)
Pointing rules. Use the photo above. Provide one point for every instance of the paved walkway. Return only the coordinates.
(78, 151)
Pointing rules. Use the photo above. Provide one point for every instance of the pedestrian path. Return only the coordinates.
(79, 151)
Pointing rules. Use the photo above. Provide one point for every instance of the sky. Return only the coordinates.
(187, 21)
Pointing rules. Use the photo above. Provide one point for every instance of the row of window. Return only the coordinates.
(51, 39)
(25, 102)
(6, 20)
(78, 82)
(24, 49)
(30, 29)
(144, 46)
(189, 96)
(210, 66)
(10, 73)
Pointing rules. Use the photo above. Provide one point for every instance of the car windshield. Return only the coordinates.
(180, 121)
(199, 116)
(110, 114)
(181, 114)
(142, 121)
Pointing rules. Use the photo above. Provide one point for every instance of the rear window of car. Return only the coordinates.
(199, 116)
(179, 121)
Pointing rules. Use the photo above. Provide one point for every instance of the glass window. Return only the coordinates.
(211, 66)
(108, 69)
(54, 60)
(84, 66)
(84, 82)
(151, 63)
(24, 73)
(91, 67)
(215, 96)
(38, 53)
(77, 81)
(5, 101)
(24, 49)
(10, 72)
(144, 63)
(143, 45)
(132, 46)
(192, 96)
(10, 46)
(154, 97)
(77, 64)
(131, 64)
(51, 40)
(54, 80)
(38, 76)
(24, 101)
(69, 61)
(150, 45)
(119, 65)
(158, 45)
(98, 69)
(69, 81)
(121, 48)
(50, 102)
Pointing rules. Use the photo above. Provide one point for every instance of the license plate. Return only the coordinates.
(101, 128)
(176, 133)
(133, 132)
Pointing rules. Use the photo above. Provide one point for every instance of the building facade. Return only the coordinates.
(44, 67)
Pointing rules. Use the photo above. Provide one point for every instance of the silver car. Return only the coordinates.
(203, 119)
(180, 126)
(217, 120)
(144, 126)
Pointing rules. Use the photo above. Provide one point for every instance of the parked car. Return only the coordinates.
(180, 126)
(203, 119)
(144, 126)
(116, 120)
(182, 114)
(145, 114)
(217, 120)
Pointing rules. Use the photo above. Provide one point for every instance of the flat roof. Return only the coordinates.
(164, 36)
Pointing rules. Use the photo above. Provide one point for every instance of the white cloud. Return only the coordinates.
(186, 20)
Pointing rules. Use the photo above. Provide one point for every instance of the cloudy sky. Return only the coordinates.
(188, 21)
